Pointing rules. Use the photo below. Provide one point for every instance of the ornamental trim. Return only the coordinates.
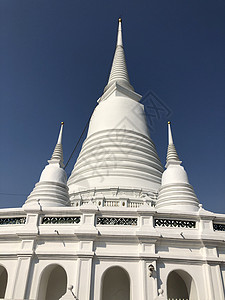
(60, 220)
(13, 221)
(218, 227)
(116, 221)
(174, 223)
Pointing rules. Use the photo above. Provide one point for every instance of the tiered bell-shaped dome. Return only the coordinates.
(118, 152)
(51, 190)
(175, 193)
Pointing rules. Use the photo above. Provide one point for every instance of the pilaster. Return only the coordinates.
(23, 269)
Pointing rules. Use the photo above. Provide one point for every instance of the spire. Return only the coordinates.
(172, 157)
(119, 35)
(57, 155)
(170, 137)
(119, 72)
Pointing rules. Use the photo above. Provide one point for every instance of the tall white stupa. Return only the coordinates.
(118, 157)
(122, 227)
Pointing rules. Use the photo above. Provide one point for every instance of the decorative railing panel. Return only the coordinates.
(111, 203)
(116, 221)
(178, 299)
(13, 221)
(61, 220)
(134, 204)
(174, 223)
(218, 227)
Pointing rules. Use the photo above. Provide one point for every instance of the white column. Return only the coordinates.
(77, 280)
(84, 279)
(27, 235)
(143, 275)
(86, 233)
(21, 277)
(208, 281)
(219, 281)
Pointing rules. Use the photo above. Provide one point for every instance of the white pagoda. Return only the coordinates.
(122, 227)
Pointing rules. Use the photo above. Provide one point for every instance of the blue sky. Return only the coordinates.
(55, 60)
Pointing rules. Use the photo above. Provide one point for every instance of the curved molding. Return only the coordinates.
(48, 194)
(177, 196)
(120, 154)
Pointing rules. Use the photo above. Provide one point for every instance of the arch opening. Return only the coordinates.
(115, 284)
(3, 281)
(180, 285)
(53, 283)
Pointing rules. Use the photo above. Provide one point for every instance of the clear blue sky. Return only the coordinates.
(55, 59)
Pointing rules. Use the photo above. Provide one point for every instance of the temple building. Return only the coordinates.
(122, 227)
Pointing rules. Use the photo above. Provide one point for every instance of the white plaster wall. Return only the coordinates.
(10, 245)
(59, 245)
(223, 276)
(178, 249)
(217, 282)
(85, 251)
(118, 247)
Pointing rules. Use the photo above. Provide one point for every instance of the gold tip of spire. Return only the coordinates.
(169, 122)
(120, 20)
(62, 123)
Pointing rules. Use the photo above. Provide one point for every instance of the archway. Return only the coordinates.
(53, 283)
(115, 284)
(3, 281)
(180, 285)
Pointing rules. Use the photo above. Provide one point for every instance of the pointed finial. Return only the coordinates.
(170, 137)
(60, 134)
(57, 155)
(172, 157)
(119, 35)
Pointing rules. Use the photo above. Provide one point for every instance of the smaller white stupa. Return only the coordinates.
(175, 192)
(51, 190)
